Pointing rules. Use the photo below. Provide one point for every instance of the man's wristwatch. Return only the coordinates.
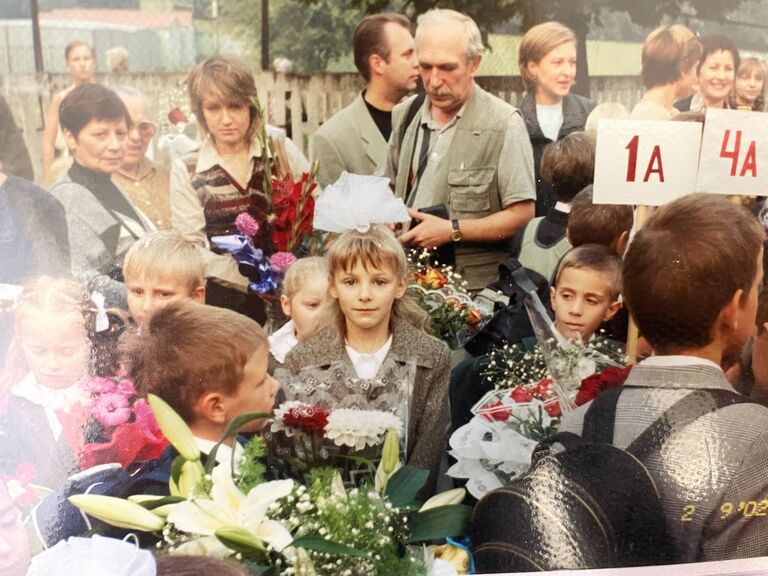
(456, 234)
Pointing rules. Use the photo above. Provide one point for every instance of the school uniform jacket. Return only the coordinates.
(429, 413)
(707, 470)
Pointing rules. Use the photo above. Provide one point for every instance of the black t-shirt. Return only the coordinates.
(382, 119)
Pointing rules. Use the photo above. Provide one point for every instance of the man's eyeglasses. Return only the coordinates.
(145, 128)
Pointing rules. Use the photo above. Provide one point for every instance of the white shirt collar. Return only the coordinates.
(223, 454)
(563, 207)
(49, 399)
(283, 341)
(367, 365)
(677, 360)
(208, 157)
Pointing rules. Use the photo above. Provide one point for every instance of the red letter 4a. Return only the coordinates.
(654, 165)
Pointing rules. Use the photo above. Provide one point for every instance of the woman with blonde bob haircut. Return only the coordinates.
(670, 56)
(373, 329)
(211, 186)
(749, 88)
(547, 59)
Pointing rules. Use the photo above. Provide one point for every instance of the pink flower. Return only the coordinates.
(146, 419)
(18, 485)
(246, 224)
(25, 473)
(99, 385)
(126, 388)
(281, 261)
(111, 409)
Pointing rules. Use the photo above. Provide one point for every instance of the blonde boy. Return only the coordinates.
(160, 268)
(586, 290)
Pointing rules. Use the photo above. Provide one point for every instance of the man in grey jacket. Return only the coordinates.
(355, 138)
(464, 149)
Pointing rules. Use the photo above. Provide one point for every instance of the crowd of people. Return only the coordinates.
(112, 286)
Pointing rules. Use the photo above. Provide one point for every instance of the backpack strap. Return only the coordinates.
(600, 419)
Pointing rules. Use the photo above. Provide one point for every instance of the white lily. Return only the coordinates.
(230, 508)
(447, 498)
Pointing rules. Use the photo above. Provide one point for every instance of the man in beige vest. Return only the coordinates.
(464, 149)
(355, 138)
(147, 184)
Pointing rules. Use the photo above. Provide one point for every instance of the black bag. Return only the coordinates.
(510, 323)
(591, 505)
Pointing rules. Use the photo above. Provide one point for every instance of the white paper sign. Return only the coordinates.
(645, 162)
(734, 153)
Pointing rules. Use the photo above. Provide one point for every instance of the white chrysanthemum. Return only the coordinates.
(360, 428)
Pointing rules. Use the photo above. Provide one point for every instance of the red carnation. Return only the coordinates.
(311, 418)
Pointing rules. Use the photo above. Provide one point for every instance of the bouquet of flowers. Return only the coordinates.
(525, 408)
(281, 526)
(307, 436)
(289, 233)
(442, 293)
(121, 427)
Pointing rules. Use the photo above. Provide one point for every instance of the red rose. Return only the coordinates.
(542, 388)
(592, 385)
(521, 395)
(311, 418)
(176, 115)
(552, 407)
(496, 411)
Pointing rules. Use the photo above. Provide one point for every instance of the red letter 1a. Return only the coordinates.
(750, 159)
(655, 165)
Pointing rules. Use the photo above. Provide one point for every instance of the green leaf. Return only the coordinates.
(405, 484)
(153, 504)
(439, 523)
(320, 544)
(235, 424)
(176, 465)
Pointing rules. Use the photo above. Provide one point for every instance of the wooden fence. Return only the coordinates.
(300, 104)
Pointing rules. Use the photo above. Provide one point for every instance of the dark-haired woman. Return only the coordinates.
(101, 221)
(717, 73)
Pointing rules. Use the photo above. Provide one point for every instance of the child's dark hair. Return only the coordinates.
(187, 565)
(90, 102)
(685, 265)
(590, 223)
(596, 257)
(187, 349)
(568, 165)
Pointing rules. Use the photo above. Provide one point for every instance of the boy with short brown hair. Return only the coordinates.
(208, 363)
(606, 224)
(691, 279)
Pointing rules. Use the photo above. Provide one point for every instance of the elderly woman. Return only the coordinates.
(225, 176)
(101, 221)
(670, 56)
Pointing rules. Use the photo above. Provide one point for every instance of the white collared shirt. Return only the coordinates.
(674, 360)
(223, 454)
(49, 399)
(283, 341)
(367, 365)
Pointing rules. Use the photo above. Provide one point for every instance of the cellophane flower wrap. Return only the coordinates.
(121, 426)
